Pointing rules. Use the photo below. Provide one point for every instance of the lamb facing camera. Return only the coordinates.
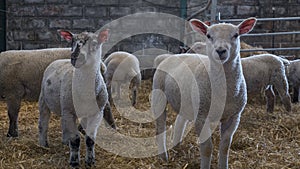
(208, 90)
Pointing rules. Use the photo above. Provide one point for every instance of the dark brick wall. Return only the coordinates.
(32, 24)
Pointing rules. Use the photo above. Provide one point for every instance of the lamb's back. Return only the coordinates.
(180, 74)
(258, 70)
(26, 67)
(57, 82)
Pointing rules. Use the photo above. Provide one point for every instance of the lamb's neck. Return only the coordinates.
(227, 81)
(88, 74)
(85, 88)
(232, 69)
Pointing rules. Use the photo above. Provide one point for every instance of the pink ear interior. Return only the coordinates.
(207, 23)
(103, 36)
(66, 35)
(199, 26)
(246, 26)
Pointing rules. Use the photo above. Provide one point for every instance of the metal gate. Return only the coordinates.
(266, 34)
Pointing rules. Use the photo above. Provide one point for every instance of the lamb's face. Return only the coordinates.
(84, 45)
(222, 41)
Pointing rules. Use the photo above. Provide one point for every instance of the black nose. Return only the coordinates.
(221, 51)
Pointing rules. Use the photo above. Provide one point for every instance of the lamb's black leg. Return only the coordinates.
(270, 97)
(295, 95)
(90, 152)
(74, 145)
(13, 105)
(108, 116)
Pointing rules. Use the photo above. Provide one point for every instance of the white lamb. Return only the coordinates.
(209, 90)
(265, 72)
(122, 68)
(21, 76)
(74, 90)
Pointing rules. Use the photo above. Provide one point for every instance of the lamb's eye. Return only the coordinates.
(208, 36)
(235, 35)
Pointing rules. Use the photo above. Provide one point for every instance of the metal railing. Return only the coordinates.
(266, 34)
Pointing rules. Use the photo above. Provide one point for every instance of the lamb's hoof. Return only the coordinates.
(12, 134)
(74, 165)
(288, 108)
(74, 162)
(270, 110)
(164, 157)
(44, 144)
(89, 163)
(65, 142)
(113, 126)
(133, 103)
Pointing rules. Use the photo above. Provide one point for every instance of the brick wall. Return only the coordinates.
(32, 24)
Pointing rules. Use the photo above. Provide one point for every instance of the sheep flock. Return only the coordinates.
(259, 139)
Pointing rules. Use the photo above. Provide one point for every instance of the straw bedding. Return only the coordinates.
(262, 141)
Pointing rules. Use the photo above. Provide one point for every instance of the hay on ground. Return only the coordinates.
(262, 141)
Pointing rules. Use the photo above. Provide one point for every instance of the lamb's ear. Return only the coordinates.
(207, 23)
(68, 36)
(198, 26)
(246, 26)
(103, 36)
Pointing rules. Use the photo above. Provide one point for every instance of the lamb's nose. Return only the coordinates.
(221, 51)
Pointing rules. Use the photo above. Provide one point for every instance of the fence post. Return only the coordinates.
(2, 26)
(213, 14)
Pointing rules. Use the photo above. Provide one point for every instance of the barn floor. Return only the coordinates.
(262, 141)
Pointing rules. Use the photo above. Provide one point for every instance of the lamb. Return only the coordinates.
(21, 76)
(293, 75)
(188, 78)
(122, 68)
(262, 72)
(76, 90)
(247, 54)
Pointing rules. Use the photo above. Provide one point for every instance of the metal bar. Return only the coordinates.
(272, 34)
(2, 26)
(259, 19)
(266, 34)
(270, 49)
(213, 14)
(183, 9)
(183, 15)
